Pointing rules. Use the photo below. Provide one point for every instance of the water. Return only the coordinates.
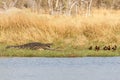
(60, 68)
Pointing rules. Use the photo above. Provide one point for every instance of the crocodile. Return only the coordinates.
(33, 46)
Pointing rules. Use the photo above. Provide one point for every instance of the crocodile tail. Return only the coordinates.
(11, 47)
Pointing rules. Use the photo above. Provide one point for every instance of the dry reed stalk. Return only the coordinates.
(19, 26)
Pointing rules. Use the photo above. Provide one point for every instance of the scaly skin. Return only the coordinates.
(33, 46)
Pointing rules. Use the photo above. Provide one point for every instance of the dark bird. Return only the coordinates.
(105, 48)
(97, 48)
(114, 47)
(33, 46)
(90, 48)
(109, 47)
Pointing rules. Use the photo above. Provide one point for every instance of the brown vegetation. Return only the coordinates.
(21, 26)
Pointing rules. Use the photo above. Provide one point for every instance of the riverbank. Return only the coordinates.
(66, 52)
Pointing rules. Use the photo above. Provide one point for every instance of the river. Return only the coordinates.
(86, 68)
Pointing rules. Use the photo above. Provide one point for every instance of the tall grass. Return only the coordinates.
(21, 26)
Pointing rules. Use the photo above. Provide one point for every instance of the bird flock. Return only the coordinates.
(97, 48)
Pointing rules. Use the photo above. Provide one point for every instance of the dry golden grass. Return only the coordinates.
(21, 26)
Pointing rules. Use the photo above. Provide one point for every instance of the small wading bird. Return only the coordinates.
(90, 48)
(114, 47)
(109, 47)
(33, 46)
(97, 48)
(105, 48)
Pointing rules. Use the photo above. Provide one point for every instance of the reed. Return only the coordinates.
(21, 26)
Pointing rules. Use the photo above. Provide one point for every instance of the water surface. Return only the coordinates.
(88, 68)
